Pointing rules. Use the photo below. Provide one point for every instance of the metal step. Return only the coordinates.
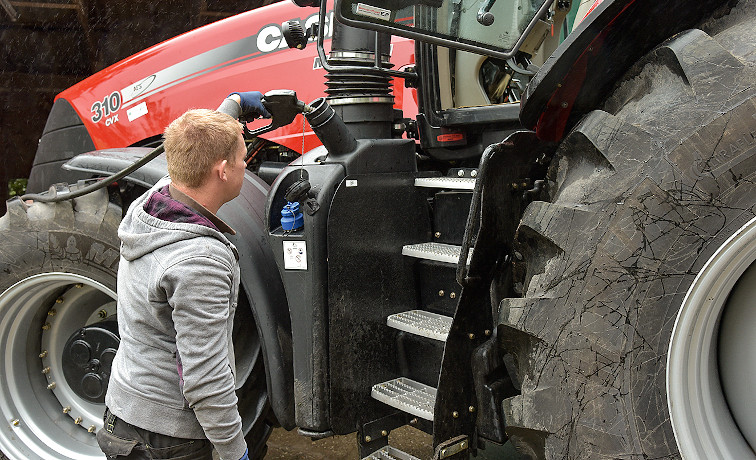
(423, 323)
(407, 395)
(390, 453)
(439, 252)
(454, 183)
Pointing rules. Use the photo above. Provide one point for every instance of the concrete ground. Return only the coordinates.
(289, 445)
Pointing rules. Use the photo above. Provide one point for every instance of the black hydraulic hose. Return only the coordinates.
(48, 198)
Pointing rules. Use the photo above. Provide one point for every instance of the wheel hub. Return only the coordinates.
(38, 316)
(87, 358)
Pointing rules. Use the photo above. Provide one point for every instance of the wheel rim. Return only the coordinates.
(37, 315)
(705, 349)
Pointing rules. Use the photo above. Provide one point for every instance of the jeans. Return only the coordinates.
(122, 441)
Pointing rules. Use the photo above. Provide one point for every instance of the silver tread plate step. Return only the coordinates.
(455, 183)
(439, 252)
(407, 395)
(422, 323)
(389, 453)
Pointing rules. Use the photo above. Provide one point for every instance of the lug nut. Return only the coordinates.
(78, 421)
(67, 409)
(46, 327)
(52, 312)
(413, 421)
(78, 285)
(452, 295)
(461, 173)
(471, 409)
(441, 293)
(488, 332)
(455, 414)
(16, 422)
(471, 335)
(43, 354)
(46, 370)
(59, 300)
(474, 173)
(438, 234)
(51, 386)
(384, 433)
(91, 428)
(368, 439)
(103, 314)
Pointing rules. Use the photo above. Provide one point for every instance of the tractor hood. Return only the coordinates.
(135, 99)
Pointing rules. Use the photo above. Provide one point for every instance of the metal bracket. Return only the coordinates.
(455, 449)
(368, 445)
(383, 426)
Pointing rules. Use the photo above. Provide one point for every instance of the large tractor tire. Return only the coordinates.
(58, 265)
(638, 273)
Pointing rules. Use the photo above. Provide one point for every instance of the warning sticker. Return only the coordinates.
(372, 11)
(295, 255)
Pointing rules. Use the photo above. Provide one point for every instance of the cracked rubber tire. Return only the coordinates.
(58, 266)
(642, 193)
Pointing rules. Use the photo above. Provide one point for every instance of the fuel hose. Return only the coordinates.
(55, 198)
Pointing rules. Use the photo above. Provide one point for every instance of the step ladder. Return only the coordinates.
(451, 183)
(439, 252)
(389, 453)
(403, 393)
(422, 323)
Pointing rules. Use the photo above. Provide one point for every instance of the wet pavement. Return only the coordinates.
(289, 445)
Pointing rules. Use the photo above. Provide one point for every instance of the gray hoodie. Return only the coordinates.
(177, 293)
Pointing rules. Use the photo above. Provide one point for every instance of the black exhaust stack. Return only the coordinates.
(362, 97)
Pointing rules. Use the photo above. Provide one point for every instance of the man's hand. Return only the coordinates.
(246, 455)
(250, 103)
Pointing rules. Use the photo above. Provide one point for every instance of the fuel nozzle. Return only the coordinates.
(283, 106)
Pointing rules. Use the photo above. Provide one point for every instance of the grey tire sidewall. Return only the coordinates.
(57, 271)
(648, 192)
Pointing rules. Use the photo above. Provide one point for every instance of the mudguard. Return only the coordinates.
(577, 77)
(260, 279)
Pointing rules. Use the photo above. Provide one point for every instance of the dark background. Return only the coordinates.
(47, 46)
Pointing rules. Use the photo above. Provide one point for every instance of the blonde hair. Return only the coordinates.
(197, 140)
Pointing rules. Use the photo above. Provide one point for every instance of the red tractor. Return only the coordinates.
(504, 239)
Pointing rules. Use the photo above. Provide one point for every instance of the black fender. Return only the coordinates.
(577, 77)
(64, 136)
(260, 278)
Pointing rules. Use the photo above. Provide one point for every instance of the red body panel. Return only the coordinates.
(138, 97)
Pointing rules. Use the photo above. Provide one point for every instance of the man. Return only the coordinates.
(171, 391)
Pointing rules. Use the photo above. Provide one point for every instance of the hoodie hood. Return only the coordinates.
(142, 233)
